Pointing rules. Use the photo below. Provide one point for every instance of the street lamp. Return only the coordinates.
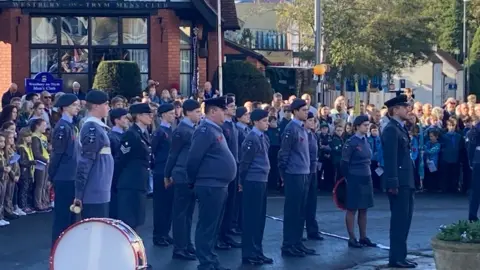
(464, 55)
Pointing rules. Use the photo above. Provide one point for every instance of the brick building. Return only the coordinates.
(173, 41)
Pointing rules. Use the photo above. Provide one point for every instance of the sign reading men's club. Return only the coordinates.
(43, 81)
(91, 4)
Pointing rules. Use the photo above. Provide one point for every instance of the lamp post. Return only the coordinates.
(464, 51)
(219, 42)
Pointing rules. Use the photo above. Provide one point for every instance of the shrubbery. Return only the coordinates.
(118, 78)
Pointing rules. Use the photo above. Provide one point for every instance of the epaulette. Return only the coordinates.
(203, 129)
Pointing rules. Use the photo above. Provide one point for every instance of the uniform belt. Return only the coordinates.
(106, 151)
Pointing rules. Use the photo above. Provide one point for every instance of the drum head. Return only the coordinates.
(93, 245)
(340, 194)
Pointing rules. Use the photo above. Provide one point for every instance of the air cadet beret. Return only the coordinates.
(310, 115)
(165, 107)
(401, 100)
(65, 100)
(190, 105)
(360, 120)
(96, 97)
(140, 108)
(241, 111)
(117, 113)
(297, 104)
(220, 102)
(258, 114)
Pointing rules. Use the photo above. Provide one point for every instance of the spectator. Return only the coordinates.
(12, 92)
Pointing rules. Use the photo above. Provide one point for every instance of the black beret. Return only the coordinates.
(401, 100)
(190, 105)
(360, 120)
(165, 107)
(65, 100)
(297, 104)
(258, 114)
(310, 115)
(30, 96)
(286, 108)
(241, 111)
(230, 99)
(96, 97)
(220, 102)
(117, 113)
(140, 108)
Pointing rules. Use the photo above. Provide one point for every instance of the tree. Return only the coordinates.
(118, 78)
(474, 54)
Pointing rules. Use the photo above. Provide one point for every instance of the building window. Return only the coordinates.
(71, 48)
(185, 58)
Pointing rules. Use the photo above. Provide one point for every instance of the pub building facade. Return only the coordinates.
(172, 41)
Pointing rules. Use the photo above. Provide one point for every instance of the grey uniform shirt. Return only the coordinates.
(254, 163)
(177, 157)
(65, 151)
(294, 156)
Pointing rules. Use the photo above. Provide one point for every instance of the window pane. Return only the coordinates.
(144, 78)
(185, 35)
(135, 30)
(32, 75)
(74, 60)
(104, 31)
(44, 30)
(185, 59)
(138, 56)
(74, 30)
(43, 60)
(185, 84)
(104, 54)
(69, 79)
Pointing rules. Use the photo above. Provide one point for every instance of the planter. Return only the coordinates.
(456, 255)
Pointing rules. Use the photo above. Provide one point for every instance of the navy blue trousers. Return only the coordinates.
(62, 216)
(254, 215)
(474, 201)
(311, 207)
(296, 190)
(229, 215)
(183, 207)
(162, 207)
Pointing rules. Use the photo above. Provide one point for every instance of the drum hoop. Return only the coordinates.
(54, 248)
(335, 200)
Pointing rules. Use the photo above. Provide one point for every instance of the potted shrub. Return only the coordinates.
(457, 246)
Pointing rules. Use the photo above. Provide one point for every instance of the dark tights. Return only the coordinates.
(362, 223)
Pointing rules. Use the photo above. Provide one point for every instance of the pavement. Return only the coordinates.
(25, 244)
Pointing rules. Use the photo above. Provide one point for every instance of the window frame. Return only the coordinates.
(186, 47)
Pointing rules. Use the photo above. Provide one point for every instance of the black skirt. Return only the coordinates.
(131, 207)
(359, 192)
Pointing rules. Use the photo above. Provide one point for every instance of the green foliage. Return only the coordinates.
(247, 38)
(118, 78)
(245, 81)
(474, 54)
(474, 83)
(462, 231)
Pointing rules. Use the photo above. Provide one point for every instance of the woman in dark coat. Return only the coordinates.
(355, 164)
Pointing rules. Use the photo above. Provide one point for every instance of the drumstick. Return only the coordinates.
(75, 209)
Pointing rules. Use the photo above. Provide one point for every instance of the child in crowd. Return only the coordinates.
(336, 154)
(4, 171)
(273, 134)
(287, 116)
(416, 142)
(348, 131)
(327, 173)
(9, 126)
(432, 151)
(377, 156)
(452, 145)
(27, 168)
(11, 206)
(41, 155)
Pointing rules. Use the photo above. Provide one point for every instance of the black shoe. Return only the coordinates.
(183, 255)
(235, 231)
(304, 238)
(412, 262)
(473, 219)
(353, 243)
(11, 216)
(149, 266)
(221, 268)
(233, 243)
(252, 261)
(293, 252)
(191, 250)
(222, 245)
(367, 243)
(161, 242)
(265, 259)
(316, 236)
(401, 265)
(169, 239)
(304, 249)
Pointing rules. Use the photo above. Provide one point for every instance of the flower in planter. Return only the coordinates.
(462, 231)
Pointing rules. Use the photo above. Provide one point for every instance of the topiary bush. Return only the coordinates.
(245, 81)
(118, 78)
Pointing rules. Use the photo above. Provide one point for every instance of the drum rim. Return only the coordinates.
(101, 220)
(335, 200)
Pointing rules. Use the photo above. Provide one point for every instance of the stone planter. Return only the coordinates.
(456, 255)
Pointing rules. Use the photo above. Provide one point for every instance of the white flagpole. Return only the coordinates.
(219, 42)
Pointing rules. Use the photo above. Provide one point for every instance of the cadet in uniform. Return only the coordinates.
(184, 196)
(134, 166)
(118, 118)
(95, 165)
(231, 134)
(473, 150)
(162, 192)
(253, 177)
(211, 167)
(311, 208)
(63, 163)
(399, 180)
(294, 167)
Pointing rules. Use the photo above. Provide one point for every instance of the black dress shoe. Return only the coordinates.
(367, 243)
(304, 249)
(353, 243)
(316, 236)
(252, 261)
(149, 266)
(183, 255)
(401, 265)
(265, 259)
(222, 245)
(11, 216)
(233, 243)
(293, 252)
(169, 239)
(235, 231)
(161, 242)
(412, 262)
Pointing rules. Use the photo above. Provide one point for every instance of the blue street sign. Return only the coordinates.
(43, 81)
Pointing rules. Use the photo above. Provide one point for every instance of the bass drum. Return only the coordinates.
(98, 244)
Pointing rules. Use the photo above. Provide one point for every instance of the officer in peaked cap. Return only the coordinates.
(398, 179)
(63, 163)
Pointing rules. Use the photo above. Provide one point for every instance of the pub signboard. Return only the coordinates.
(43, 81)
(92, 4)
